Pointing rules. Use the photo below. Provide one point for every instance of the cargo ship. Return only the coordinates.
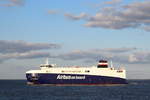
(101, 74)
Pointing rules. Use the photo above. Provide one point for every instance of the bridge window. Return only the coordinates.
(87, 71)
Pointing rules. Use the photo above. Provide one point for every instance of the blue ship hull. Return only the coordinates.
(62, 79)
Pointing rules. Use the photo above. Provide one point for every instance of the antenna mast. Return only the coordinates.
(111, 64)
(46, 61)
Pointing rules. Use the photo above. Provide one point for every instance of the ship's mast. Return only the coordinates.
(111, 64)
(47, 61)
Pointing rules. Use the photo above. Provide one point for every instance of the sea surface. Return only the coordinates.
(19, 90)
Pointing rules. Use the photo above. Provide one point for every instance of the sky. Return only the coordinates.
(74, 32)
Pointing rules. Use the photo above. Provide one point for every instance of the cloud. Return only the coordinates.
(12, 3)
(120, 55)
(74, 17)
(112, 2)
(25, 55)
(28, 50)
(24, 50)
(79, 55)
(116, 50)
(22, 46)
(105, 3)
(146, 28)
(52, 12)
(133, 15)
(140, 57)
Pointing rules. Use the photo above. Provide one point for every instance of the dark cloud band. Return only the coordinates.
(24, 50)
(22, 46)
(121, 55)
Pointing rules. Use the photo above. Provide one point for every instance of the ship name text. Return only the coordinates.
(81, 77)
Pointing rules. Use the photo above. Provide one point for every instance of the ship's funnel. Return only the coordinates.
(102, 64)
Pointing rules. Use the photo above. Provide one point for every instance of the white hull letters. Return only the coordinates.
(68, 77)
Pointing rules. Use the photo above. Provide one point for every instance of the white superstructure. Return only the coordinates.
(93, 70)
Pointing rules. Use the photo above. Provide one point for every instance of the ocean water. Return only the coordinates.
(19, 90)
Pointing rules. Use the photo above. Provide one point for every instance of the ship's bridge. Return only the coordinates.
(47, 65)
